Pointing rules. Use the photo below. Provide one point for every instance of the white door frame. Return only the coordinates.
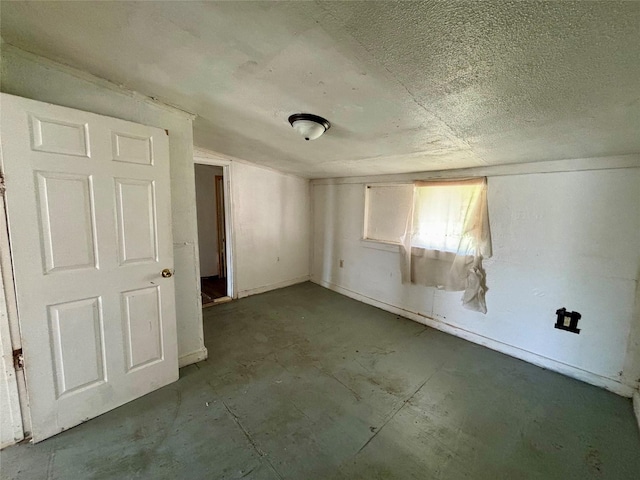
(228, 219)
(12, 417)
(10, 332)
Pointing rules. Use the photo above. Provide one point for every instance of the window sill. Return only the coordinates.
(395, 248)
(379, 245)
(422, 249)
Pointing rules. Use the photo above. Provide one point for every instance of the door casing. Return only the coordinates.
(228, 219)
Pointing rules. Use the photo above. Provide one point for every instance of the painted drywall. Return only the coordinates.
(568, 239)
(631, 369)
(636, 406)
(33, 77)
(206, 205)
(271, 226)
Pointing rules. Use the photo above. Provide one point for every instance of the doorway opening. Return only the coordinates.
(211, 206)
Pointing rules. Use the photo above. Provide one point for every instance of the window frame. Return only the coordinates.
(391, 246)
(373, 242)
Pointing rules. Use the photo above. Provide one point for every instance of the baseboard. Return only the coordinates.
(530, 357)
(636, 406)
(193, 357)
(272, 286)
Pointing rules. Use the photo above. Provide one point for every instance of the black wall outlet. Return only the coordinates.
(567, 320)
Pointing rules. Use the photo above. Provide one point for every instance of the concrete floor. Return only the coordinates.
(304, 383)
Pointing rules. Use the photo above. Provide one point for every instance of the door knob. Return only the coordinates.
(166, 273)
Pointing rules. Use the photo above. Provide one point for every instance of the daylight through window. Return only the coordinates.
(440, 216)
(442, 230)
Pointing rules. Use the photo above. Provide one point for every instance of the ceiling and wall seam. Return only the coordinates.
(204, 152)
(531, 168)
(94, 79)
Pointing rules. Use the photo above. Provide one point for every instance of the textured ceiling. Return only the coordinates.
(407, 86)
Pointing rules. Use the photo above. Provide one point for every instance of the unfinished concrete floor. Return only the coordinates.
(304, 383)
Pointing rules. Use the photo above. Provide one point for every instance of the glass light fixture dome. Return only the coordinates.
(309, 126)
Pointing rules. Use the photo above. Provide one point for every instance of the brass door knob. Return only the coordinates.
(166, 273)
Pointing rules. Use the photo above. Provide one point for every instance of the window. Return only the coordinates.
(442, 230)
(386, 210)
(443, 216)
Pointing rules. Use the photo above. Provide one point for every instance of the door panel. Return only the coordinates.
(132, 149)
(143, 326)
(67, 223)
(56, 136)
(88, 206)
(76, 333)
(136, 220)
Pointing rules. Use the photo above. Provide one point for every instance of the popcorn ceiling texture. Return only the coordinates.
(408, 86)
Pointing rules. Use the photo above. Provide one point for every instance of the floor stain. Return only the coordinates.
(592, 459)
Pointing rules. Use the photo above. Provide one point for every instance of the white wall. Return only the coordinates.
(207, 219)
(33, 77)
(271, 221)
(559, 240)
(636, 406)
(631, 368)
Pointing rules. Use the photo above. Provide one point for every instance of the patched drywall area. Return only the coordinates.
(559, 240)
(206, 204)
(408, 86)
(32, 77)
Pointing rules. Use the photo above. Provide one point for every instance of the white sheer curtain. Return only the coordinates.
(447, 236)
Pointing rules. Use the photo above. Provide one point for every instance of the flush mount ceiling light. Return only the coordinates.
(308, 125)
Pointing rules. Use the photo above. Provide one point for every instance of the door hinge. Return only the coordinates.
(18, 359)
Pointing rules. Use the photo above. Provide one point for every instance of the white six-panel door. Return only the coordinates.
(89, 211)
